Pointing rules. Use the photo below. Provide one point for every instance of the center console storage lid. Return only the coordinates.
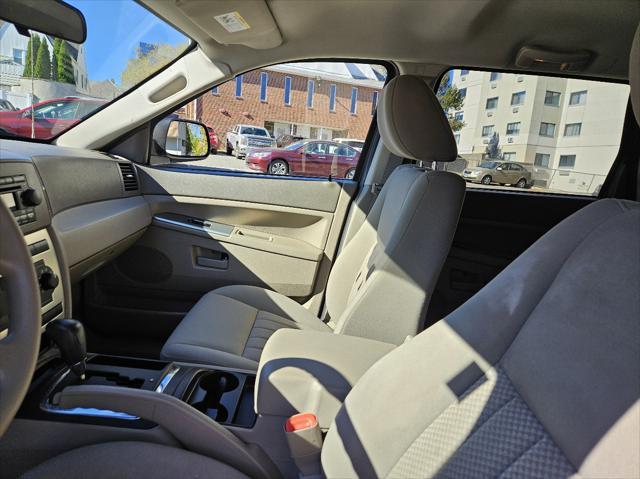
(310, 371)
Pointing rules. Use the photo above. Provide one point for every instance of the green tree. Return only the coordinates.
(65, 67)
(450, 99)
(32, 46)
(145, 65)
(42, 66)
(54, 62)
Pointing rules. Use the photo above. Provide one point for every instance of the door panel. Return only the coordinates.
(282, 237)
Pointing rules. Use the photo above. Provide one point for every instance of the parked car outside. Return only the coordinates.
(306, 158)
(359, 144)
(500, 172)
(243, 137)
(213, 140)
(286, 140)
(49, 117)
(6, 105)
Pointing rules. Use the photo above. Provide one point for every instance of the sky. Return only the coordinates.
(114, 30)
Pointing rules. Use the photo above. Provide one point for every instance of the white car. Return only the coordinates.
(244, 137)
(358, 144)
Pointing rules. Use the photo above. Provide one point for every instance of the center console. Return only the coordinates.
(226, 396)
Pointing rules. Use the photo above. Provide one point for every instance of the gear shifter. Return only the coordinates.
(68, 334)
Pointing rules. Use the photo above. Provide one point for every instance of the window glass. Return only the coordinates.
(552, 98)
(328, 106)
(494, 76)
(547, 129)
(518, 98)
(564, 141)
(572, 129)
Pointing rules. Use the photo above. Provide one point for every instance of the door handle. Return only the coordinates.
(222, 263)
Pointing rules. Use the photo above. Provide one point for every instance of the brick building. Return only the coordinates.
(312, 100)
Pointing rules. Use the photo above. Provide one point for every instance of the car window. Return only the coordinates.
(282, 107)
(562, 134)
(126, 44)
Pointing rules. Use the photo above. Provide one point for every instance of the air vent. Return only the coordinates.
(128, 176)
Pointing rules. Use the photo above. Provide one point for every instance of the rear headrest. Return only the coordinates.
(412, 123)
(634, 74)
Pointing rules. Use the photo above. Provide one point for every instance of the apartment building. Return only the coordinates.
(566, 131)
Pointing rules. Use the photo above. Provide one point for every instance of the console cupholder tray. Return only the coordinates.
(216, 394)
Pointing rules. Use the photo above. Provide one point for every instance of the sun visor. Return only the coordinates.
(234, 22)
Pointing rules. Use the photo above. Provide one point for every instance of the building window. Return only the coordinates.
(567, 161)
(552, 98)
(542, 159)
(287, 91)
(457, 138)
(332, 98)
(214, 90)
(487, 130)
(463, 92)
(578, 98)
(374, 102)
(572, 129)
(547, 129)
(509, 156)
(517, 98)
(464, 73)
(513, 128)
(264, 79)
(494, 76)
(239, 86)
(492, 103)
(19, 56)
(459, 115)
(311, 85)
(354, 101)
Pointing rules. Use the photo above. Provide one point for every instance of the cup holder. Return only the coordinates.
(210, 394)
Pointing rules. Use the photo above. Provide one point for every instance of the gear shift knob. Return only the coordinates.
(68, 334)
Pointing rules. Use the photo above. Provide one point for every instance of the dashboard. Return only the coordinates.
(77, 209)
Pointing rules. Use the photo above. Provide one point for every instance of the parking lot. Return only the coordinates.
(222, 161)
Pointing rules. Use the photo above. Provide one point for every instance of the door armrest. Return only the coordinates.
(312, 372)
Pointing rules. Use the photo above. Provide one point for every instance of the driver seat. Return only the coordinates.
(537, 375)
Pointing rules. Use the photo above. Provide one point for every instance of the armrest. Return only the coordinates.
(311, 371)
(196, 431)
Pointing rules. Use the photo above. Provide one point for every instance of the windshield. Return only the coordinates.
(250, 130)
(53, 84)
(488, 164)
(295, 146)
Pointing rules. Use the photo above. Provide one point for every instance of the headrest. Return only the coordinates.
(634, 74)
(412, 123)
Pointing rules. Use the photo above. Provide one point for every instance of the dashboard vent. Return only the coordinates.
(128, 176)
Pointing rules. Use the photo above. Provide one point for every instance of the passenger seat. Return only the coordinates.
(381, 283)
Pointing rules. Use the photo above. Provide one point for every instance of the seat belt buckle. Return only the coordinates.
(305, 443)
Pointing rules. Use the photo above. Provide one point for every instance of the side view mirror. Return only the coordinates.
(185, 139)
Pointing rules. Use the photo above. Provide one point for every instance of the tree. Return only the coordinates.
(148, 61)
(42, 66)
(32, 46)
(65, 67)
(493, 148)
(54, 63)
(450, 99)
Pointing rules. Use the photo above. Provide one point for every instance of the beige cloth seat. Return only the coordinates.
(381, 283)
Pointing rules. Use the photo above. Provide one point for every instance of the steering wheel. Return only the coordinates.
(19, 349)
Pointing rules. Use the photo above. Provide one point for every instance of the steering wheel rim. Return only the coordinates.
(19, 349)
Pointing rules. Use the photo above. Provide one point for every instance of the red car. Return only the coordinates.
(213, 140)
(50, 117)
(307, 158)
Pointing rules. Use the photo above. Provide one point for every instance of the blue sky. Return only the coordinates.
(114, 30)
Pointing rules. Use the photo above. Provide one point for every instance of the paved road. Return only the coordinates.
(221, 160)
